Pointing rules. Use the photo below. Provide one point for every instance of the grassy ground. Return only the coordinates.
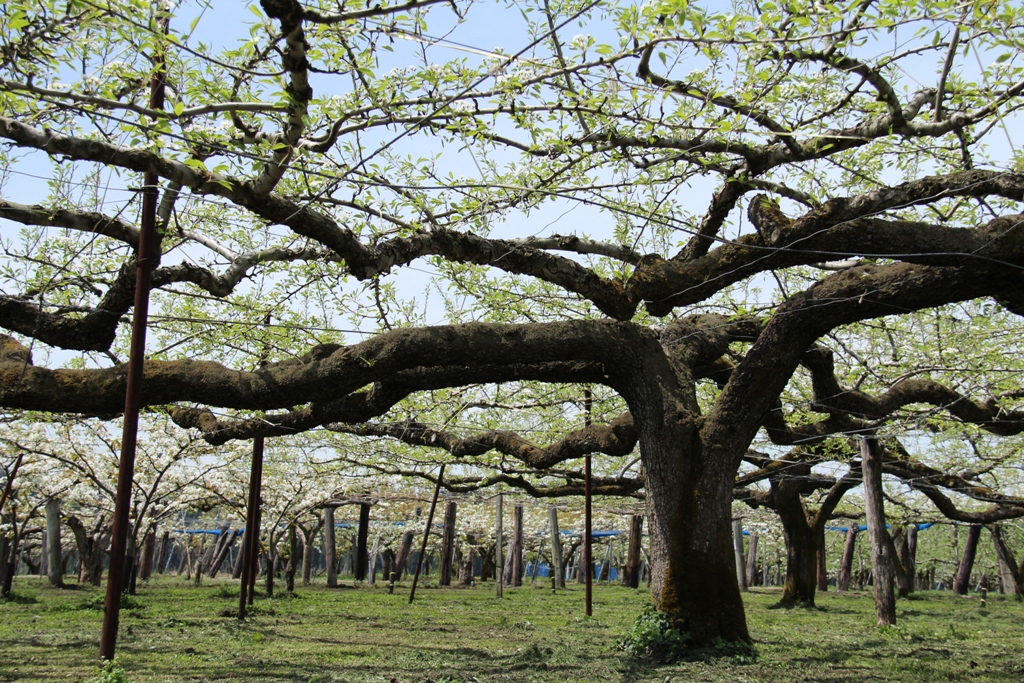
(176, 633)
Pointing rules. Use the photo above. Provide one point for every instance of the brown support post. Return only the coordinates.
(148, 555)
(362, 556)
(426, 535)
(737, 551)
(588, 563)
(249, 540)
(145, 259)
(557, 566)
(161, 555)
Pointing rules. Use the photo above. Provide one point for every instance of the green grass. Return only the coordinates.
(174, 632)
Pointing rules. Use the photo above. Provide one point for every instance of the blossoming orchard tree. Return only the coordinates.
(689, 210)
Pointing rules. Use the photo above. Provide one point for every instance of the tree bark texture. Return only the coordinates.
(557, 566)
(846, 564)
(148, 555)
(362, 558)
(55, 565)
(962, 584)
(1009, 573)
(882, 559)
(631, 575)
(444, 575)
(752, 560)
(330, 550)
(402, 559)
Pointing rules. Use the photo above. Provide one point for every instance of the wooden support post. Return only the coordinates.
(145, 261)
(963, 575)
(737, 549)
(514, 564)
(55, 567)
(557, 569)
(846, 565)
(447, 545)
(631, 575)
(330, 547)
(362, 559)
(498, 546)
(426, 535)
(882, 561)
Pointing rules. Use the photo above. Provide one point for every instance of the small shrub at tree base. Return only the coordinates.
(652, 636)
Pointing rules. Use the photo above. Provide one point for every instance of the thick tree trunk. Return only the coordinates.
(55, 566)
(362, 558)
(447, 545)
(962, 584)
(801, 546)
(882, 561)
(631, 576)
(330, 548)
(689, 522)
(846, 565)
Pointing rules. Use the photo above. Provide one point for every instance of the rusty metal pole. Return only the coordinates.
(248, 542)
(426, 534)
(588, 566)
(145, 259)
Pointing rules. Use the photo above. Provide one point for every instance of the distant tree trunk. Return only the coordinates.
(271, 568)
(963, 575)
(330, 549)
(92, 547)
(514, 559)
(752, 560)
(293, 560)
(1008, 571)
(402, 560)
(910, 563)
(737, 549)
(362, 558)
(223, 553)
(801, 545)
(161, 556)
(846, 566)
(822, 565)
(236, 571)
(631, 575)
(882, 561)
(56, 567)
(148, 555)
(557, 566)
(444, 575)
(466, 566)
